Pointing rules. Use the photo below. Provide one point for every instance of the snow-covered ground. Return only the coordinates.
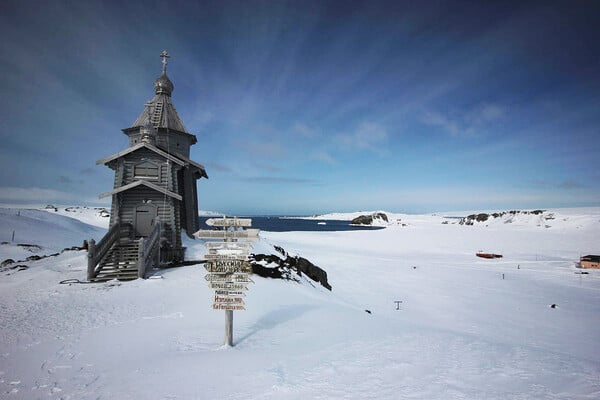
(443, 324)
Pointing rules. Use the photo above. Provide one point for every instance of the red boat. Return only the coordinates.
(488, 255)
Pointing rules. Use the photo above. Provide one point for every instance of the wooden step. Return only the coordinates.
(120, 263)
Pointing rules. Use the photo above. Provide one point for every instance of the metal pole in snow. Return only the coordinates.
(228, 328)
(228, 313)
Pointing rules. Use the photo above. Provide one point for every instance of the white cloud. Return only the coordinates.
(470, 122)
(368, 136)
(262, 149)
(304, 131)
(437, 119)
(324, 157)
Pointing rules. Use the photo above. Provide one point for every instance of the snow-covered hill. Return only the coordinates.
(27, 232)
(441, 323)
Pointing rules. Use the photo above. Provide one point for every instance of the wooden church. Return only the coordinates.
(154, 195)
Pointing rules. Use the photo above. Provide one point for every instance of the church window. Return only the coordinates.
(146, 170)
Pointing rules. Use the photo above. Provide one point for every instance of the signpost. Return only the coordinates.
(227, 265)
(227, 222)
(227, 234)
(218, 256)
(227, 245)
(227, 286)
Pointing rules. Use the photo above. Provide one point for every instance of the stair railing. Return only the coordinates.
(97, 251)
(148, 249)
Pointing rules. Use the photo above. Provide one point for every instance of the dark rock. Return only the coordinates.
(281, 250)
(363, 220)
(368, 219)
(382, 216)
(289, 268)
(312, 271)
(7, 262)
(265, 272)
(72, 248)
(482, 217)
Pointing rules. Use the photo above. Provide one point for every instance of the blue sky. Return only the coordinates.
(312, 106)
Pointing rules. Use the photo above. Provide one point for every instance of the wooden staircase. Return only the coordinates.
(120, 255)
(121, 262)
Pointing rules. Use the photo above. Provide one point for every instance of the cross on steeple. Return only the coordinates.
(164, 55)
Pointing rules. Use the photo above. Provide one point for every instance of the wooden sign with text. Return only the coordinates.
(227, 265)
(226, 222)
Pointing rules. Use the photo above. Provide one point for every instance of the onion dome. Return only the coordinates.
(163, 84)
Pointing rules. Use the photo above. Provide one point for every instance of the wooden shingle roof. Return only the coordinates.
(162, 114)
(176, 158)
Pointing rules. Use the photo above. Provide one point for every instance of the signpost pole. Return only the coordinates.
(228, 313)
(229, 328)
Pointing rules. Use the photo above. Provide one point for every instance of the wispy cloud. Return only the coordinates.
(68, 181)
(471, 122)
(304, 131)
(325, 157)
(267, 167)
(262, 149)
(570, 184)
(547, 184)
(89, 171)
(218, 166)
(367, 136)
(278, 179)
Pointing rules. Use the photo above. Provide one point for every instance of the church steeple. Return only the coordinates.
(163, 84)
(163, 116)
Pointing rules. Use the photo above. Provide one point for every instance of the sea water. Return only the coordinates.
(287, 224)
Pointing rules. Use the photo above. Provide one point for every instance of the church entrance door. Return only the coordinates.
(144, 219)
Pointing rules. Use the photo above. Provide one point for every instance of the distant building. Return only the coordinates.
(590, 261)
(154, 195)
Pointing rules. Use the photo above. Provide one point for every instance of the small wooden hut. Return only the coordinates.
(590, 261)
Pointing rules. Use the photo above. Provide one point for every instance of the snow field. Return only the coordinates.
(462, 331)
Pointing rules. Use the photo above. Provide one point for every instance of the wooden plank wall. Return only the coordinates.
(125, 203)
(176, 142)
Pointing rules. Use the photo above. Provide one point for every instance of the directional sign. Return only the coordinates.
(228, 267)
(228, 307)
(229, 222)
(230, 278)
(228, 245)
(230, 293)
(228, 300)
(250, 234)
(228, 251)
(227, 286)
(219, 278)
(242, 278)
(227, 262)
(212, 257)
